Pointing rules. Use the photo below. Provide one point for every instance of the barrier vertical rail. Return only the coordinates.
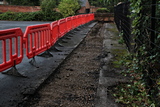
(12, 48)
(78, 20)
(55, 31)
(62, 27)
(93, 17)
(74, 22)
(37, 39)
(69, 23)
(83, 19)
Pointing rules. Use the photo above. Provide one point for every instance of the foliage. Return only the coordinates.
(47, 6)
(133, 93)
(24, 2)
(144, 64)
(105, 3)
(68, 7)
(102, 10)
(30, 16)
(147, 55)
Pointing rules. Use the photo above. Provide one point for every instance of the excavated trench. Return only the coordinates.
(82, 80)
(76, 80)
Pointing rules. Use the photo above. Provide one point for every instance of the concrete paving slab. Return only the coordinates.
(109, 76)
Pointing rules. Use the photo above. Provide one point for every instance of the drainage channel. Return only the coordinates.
(15, 91)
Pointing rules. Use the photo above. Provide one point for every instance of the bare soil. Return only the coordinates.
(75, 82)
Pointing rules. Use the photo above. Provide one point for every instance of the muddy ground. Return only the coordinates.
(83, 80)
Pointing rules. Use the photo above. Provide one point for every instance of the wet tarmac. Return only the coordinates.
(16, 90)
(21, 24)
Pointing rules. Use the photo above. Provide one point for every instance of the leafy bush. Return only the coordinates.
(68, 7)
(31, 16)
(102, 10)
(47, 6)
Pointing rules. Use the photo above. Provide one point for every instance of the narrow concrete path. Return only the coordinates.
(109, 75)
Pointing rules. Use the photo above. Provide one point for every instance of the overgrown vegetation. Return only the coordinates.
(48, 10)
(47, 13)
(30, 16)
(102, 10)
(68, 7)
(105, 3)
(24, 2)
(143, 65)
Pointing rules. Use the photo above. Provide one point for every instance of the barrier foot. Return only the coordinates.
(46, 54)
(33, 62)
(60, 45)
(77, 29)
(69, 35)
(82, 26)
(64, 41)
(56, 48)
(13, 71)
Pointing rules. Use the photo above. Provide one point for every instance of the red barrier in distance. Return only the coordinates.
(55, 31)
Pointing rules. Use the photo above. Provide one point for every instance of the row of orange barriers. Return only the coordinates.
(36, 39)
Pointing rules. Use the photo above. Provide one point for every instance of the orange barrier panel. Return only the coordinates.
(69, 23)
(87, 18)
(11, 42)
(37, 39)
(82, 19)
(55, 31)
(77, 20)
(74, 22)
(62, 27)
(92, 16)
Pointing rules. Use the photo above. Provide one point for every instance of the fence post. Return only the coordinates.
(153, 90)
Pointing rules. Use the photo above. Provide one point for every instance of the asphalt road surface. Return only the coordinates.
(21, 24)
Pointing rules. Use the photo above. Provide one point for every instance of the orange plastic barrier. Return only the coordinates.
(37, 39)
(55, 31)
(11, 41)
